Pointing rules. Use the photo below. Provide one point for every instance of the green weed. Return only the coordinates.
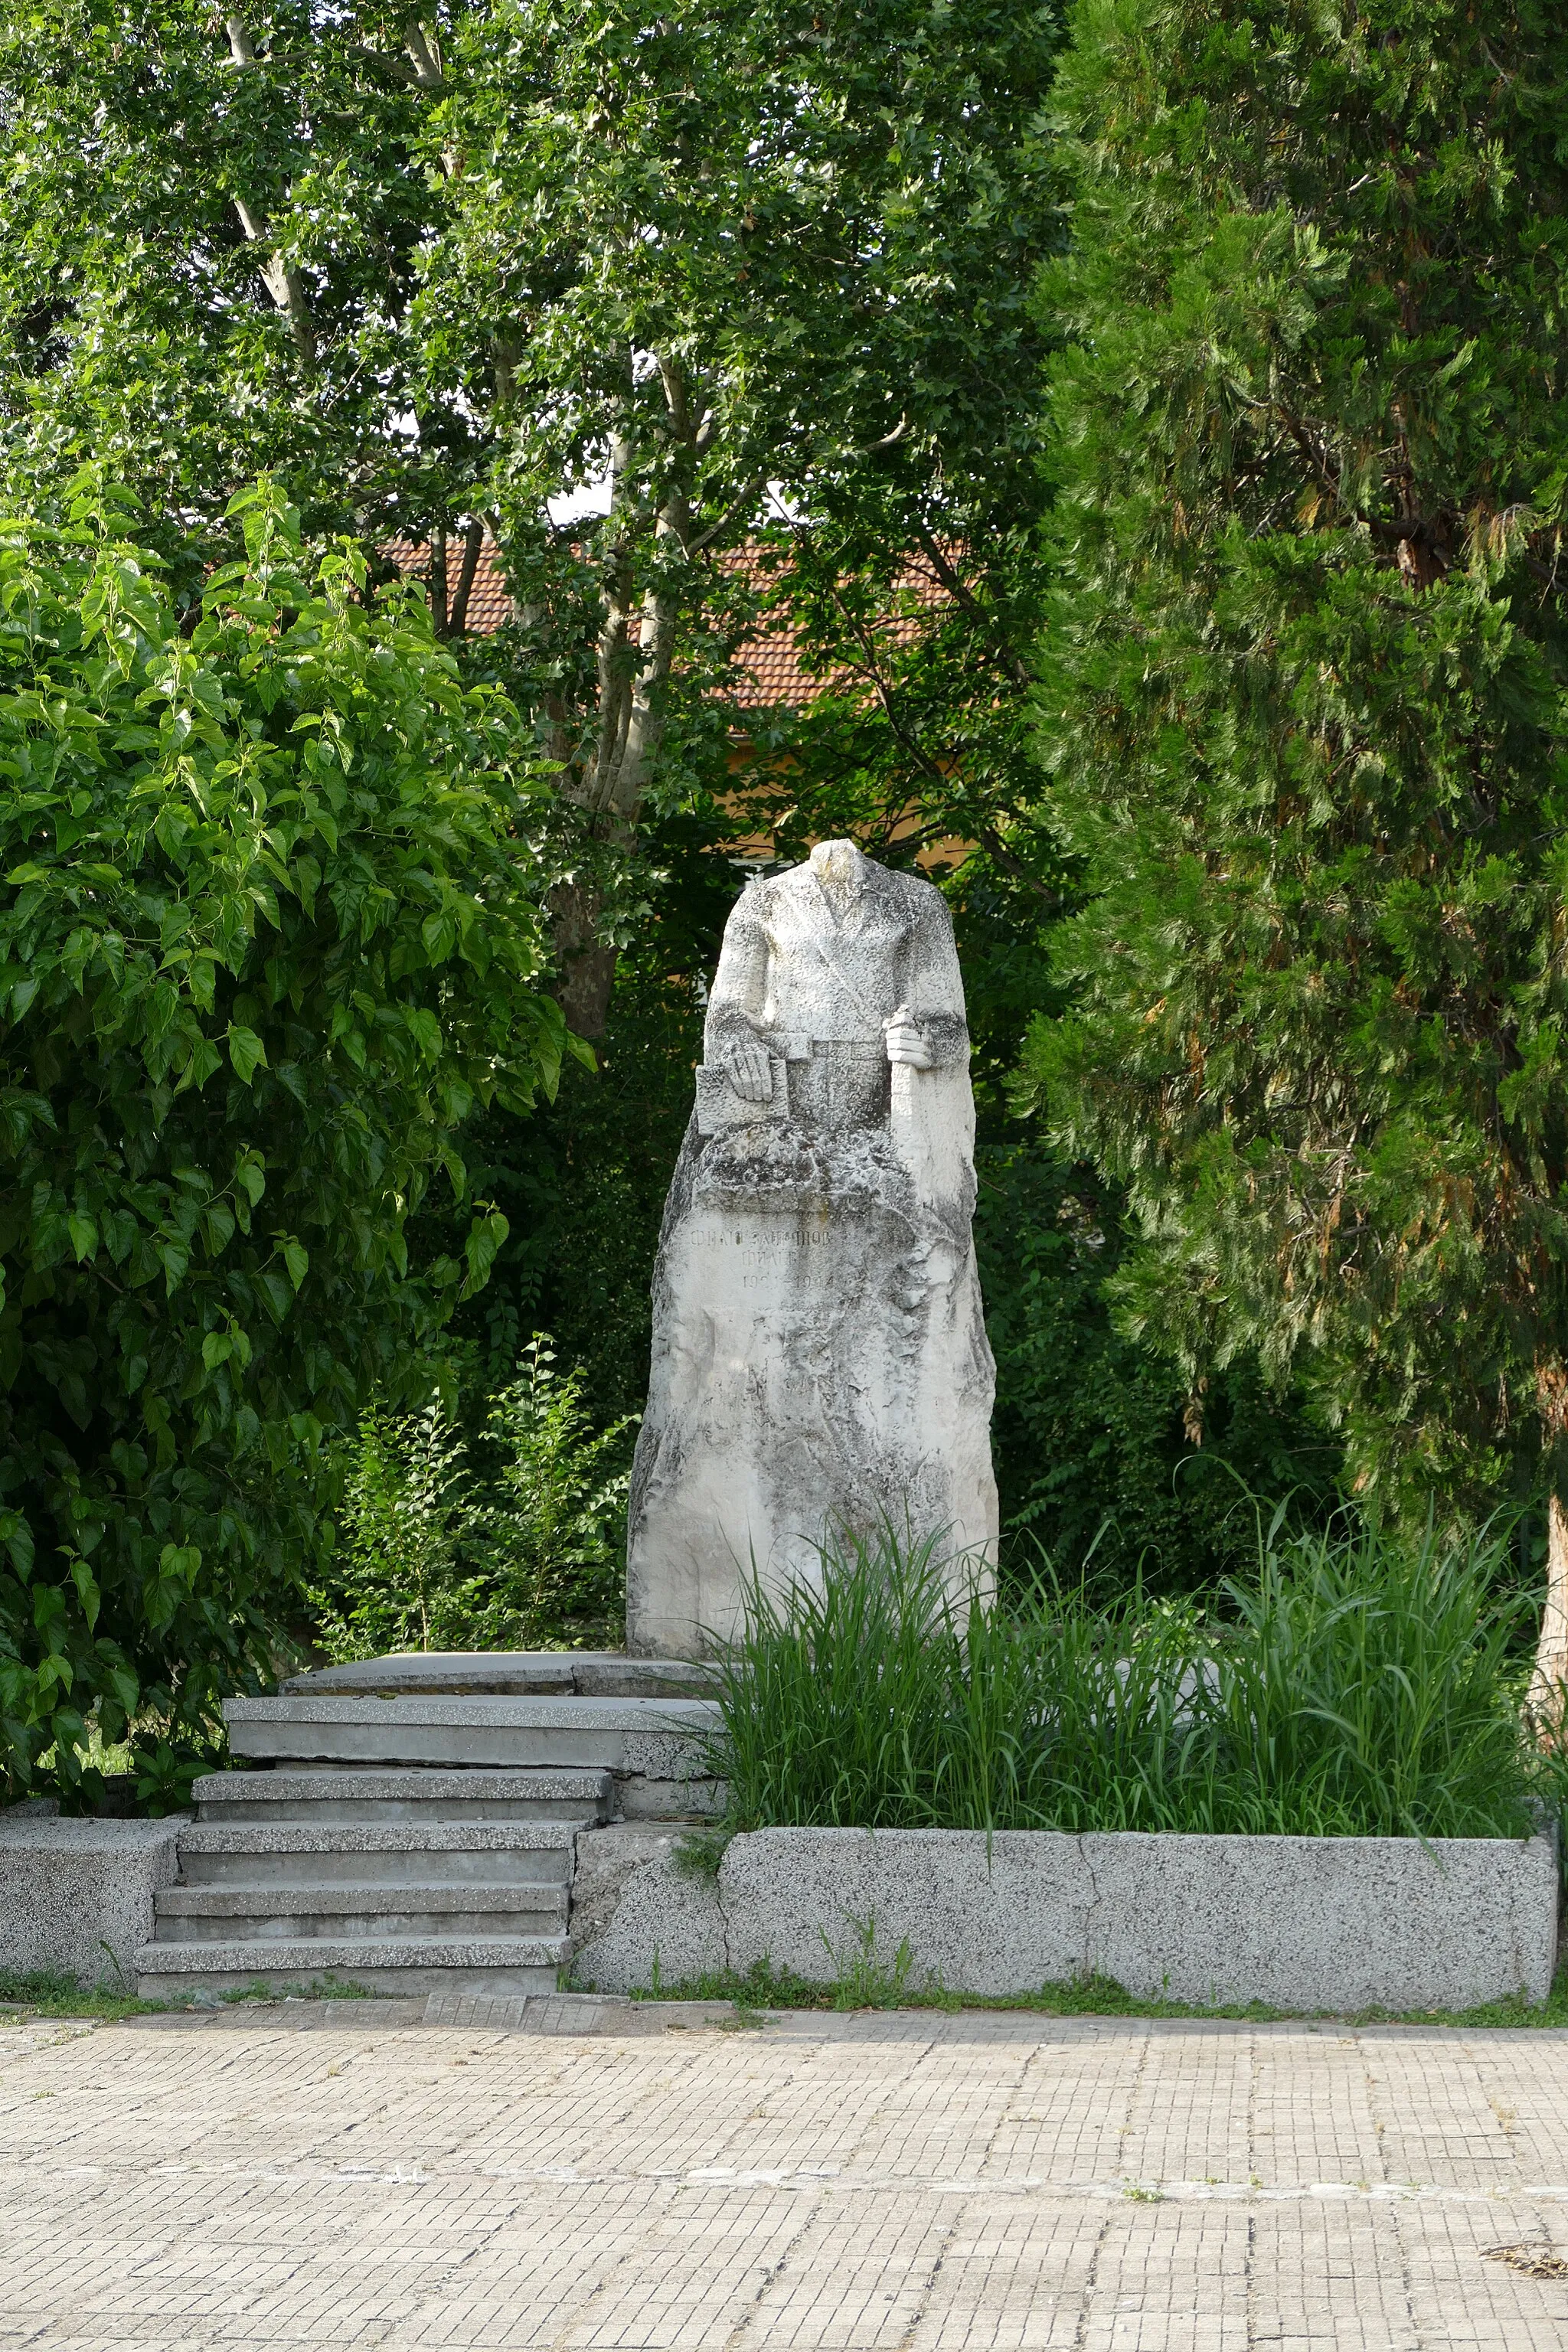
(319, 1988)
(762, 1989)
(1355, 1687)
(50, 1992)
(522, 1552)
(861, 1980)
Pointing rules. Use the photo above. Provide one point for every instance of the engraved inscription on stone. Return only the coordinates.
(819, 1353)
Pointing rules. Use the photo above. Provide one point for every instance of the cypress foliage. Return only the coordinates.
(1303, 708)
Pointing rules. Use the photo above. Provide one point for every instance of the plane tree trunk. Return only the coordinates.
(636, 647)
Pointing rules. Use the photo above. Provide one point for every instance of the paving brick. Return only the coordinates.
(502, 2181)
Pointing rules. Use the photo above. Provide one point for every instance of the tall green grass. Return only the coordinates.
(1354, 1686)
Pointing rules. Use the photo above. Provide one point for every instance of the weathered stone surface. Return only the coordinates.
(816, 1901)
(1326, 1923)
(1332, 1923)
(78, 1896)
(441, 1673)
(604, 1721)
(504, 1674)
(416, 1793)
(819, 1353)
(634, 1904)
(361, 1851)
(498, 1964)
(610, 1674)
(658, 1749)
(644, 1799)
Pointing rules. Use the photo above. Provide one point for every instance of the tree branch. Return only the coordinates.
(424, 54)
(958, 588)
(281, 279)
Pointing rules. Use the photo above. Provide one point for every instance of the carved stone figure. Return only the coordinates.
(819, 1353)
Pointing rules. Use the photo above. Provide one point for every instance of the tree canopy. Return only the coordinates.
(440, 274)
(1148, 428)
(1303, 708)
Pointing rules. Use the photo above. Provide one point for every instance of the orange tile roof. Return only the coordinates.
(773, 671)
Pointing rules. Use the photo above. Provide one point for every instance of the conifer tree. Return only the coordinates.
(1304, 711)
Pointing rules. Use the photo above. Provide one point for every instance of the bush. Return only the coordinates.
(528, 1555)
(267, 939)
(398, 1583)
(1351, 1689)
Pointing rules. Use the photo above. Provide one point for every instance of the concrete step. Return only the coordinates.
(383, 1854)
(400, 1964)
(660, 1739)
(363, 1793)
(271, 1911)
(512, 1674)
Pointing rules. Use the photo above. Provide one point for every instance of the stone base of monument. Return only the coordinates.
(495, 1824)
(409, 1824)
(1303, 1923)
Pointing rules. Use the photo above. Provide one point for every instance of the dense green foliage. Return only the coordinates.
(267, 938)
(1348, 1687)
(1281, 898)
(215, 224)
(1110, 1465)
(444, 272)
(525, 1551)
(824, 224)
(1304, 705)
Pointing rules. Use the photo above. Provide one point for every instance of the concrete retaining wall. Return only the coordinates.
(1331, 1924)
(640, 1911)
(77, 1896)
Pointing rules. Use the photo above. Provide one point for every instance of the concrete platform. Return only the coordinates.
(657, 1739)
(80, 1897)
(405, 1879)
(268, 1911)
(1301, 1924)
(316, 1853)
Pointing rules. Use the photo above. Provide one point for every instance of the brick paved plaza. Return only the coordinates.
(860, 2183)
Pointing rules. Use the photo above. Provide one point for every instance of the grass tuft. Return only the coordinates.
(1356, 1686)
(763, 1990)
(51, 1992)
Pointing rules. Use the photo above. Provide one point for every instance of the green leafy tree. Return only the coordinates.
(445, 269)
(733, 258)
(1303, 712)
(1108, 1461)
(215, 220)
(269, 936)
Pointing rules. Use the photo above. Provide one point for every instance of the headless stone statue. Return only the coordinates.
(819, 1354)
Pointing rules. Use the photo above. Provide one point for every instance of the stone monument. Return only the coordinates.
(819, 1352)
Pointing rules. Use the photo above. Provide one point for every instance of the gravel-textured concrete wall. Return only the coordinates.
(1301, 1923)
(634, 1902)
(70, 1889)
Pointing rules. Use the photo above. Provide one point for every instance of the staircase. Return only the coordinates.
(410, 1824)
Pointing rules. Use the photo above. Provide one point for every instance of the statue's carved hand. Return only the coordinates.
(906, 1044)
(750, 1072)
